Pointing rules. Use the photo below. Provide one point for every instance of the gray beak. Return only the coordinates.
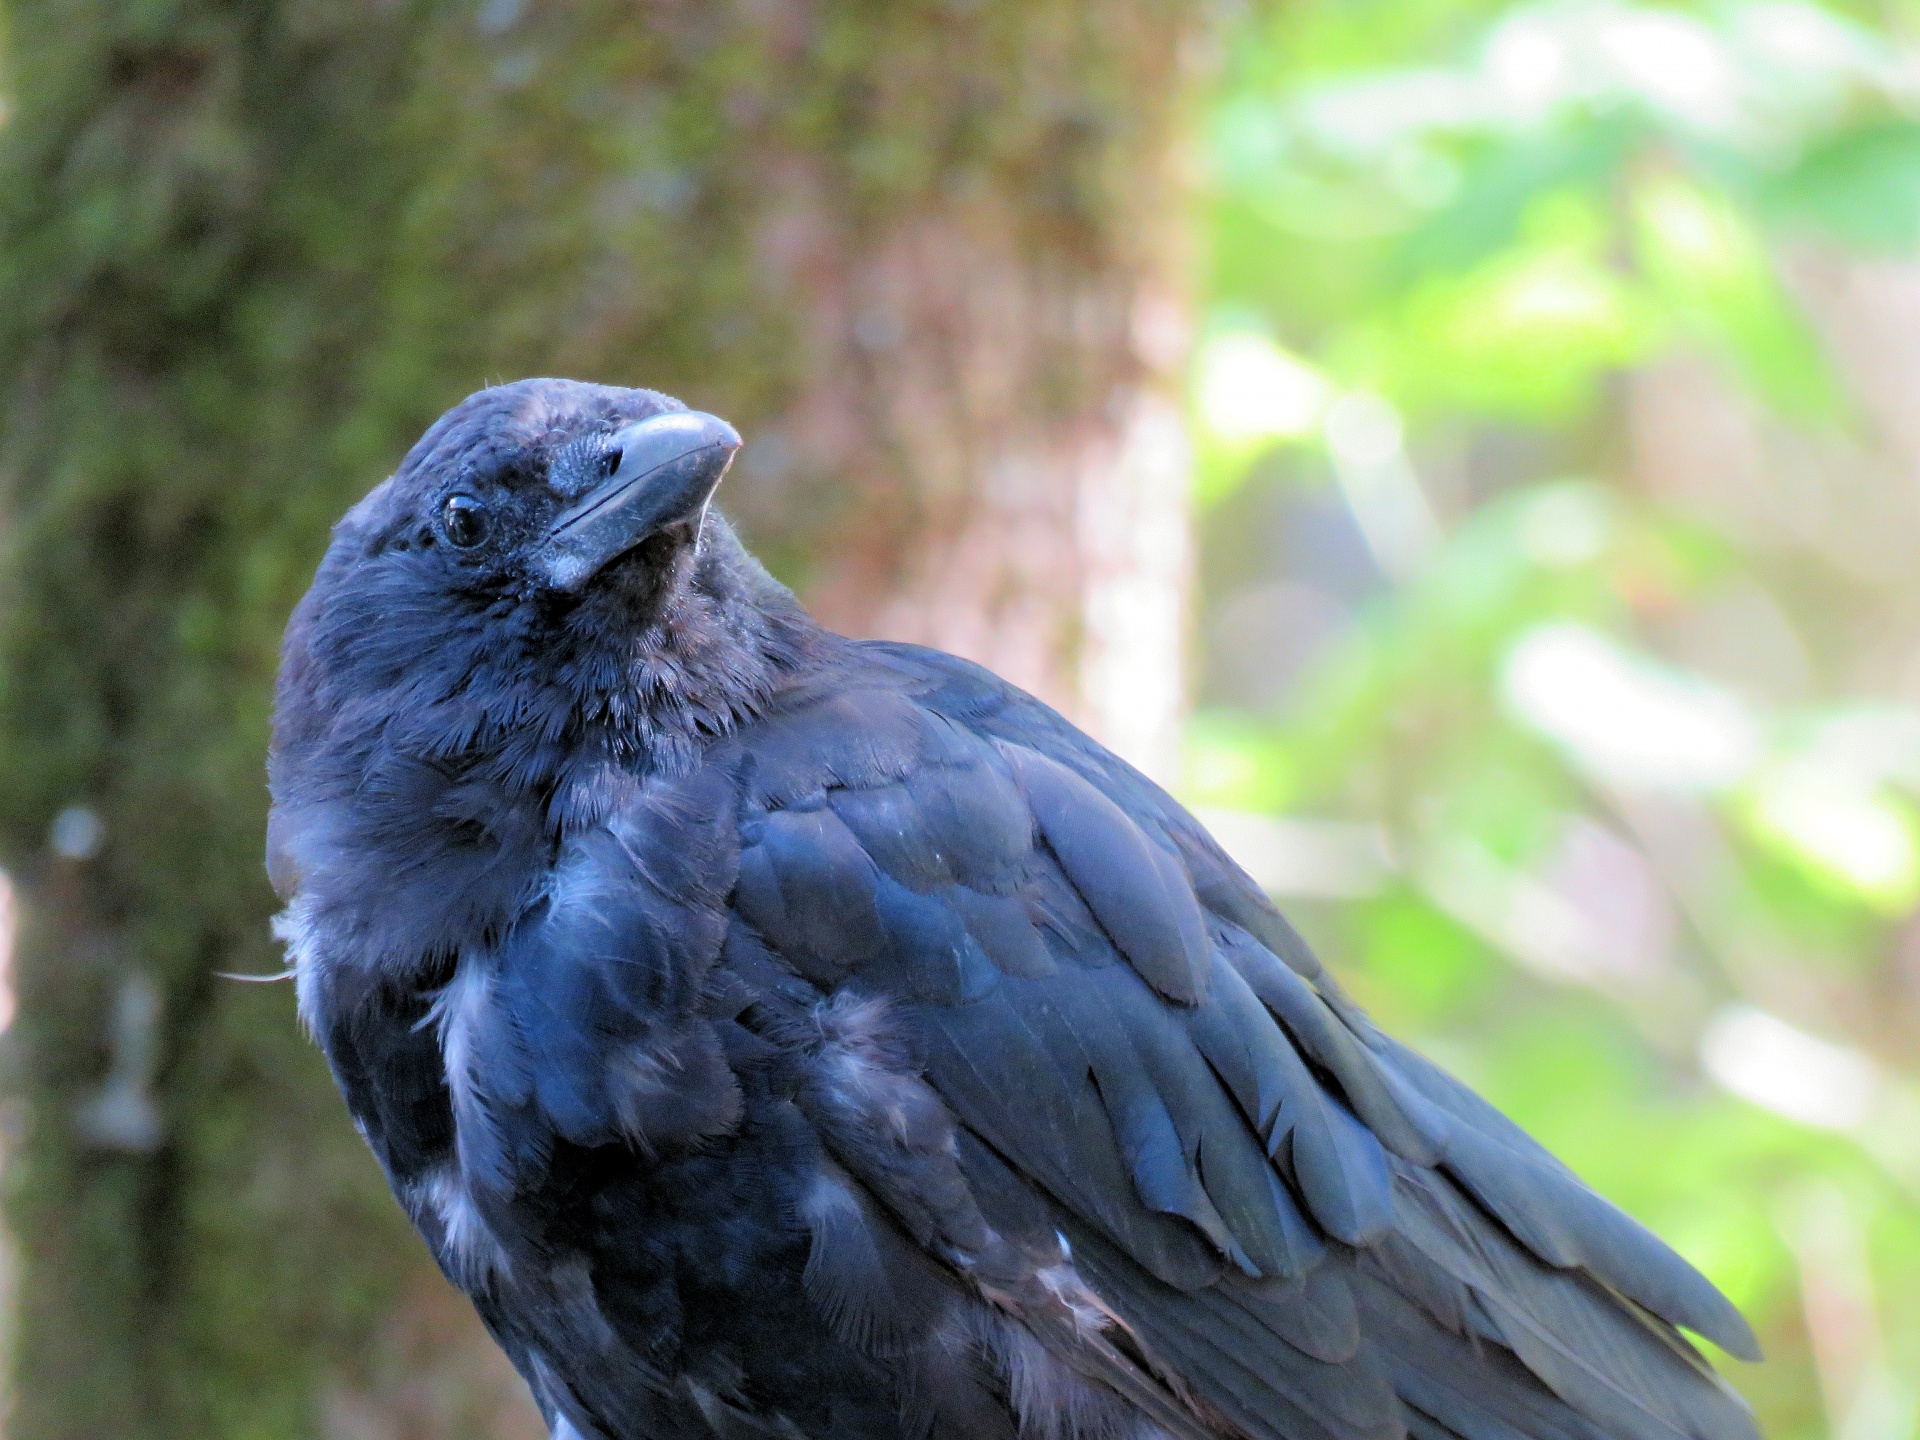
(668, 468)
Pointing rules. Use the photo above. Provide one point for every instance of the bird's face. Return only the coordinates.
(576, 494)
(541, 526)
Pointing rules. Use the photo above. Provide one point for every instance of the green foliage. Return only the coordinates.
(1658, 905)
(1862, 185)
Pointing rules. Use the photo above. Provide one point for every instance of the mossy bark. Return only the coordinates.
(925, 254)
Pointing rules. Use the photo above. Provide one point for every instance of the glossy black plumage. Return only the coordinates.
(784, 1036)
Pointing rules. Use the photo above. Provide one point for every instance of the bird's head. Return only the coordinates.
(552, 494)
(562, 512)
(537, 594)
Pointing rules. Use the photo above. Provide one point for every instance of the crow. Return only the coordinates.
(782, 1035)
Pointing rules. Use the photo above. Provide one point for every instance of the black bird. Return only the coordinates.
(778, 1035)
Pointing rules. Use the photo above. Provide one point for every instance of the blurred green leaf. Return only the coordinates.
(1860, 186)
(1710, 265)
(1230, 760)
(1417, 966)
(1505, 181)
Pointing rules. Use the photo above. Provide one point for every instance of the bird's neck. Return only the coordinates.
(721, 653)
(404, 831)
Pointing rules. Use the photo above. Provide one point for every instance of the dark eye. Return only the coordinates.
(465, 521)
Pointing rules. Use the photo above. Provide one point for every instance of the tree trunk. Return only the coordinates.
(926, 255)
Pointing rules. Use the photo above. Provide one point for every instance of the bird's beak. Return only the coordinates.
(666, 474)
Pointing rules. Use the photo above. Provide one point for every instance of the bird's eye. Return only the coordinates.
(465, 521)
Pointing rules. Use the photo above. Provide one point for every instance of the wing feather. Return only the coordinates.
(1300, 1223)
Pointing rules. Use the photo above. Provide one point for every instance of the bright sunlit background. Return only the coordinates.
(1558, 404)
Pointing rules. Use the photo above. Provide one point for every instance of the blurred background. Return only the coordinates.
(1470, 451)
(1558, 406)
